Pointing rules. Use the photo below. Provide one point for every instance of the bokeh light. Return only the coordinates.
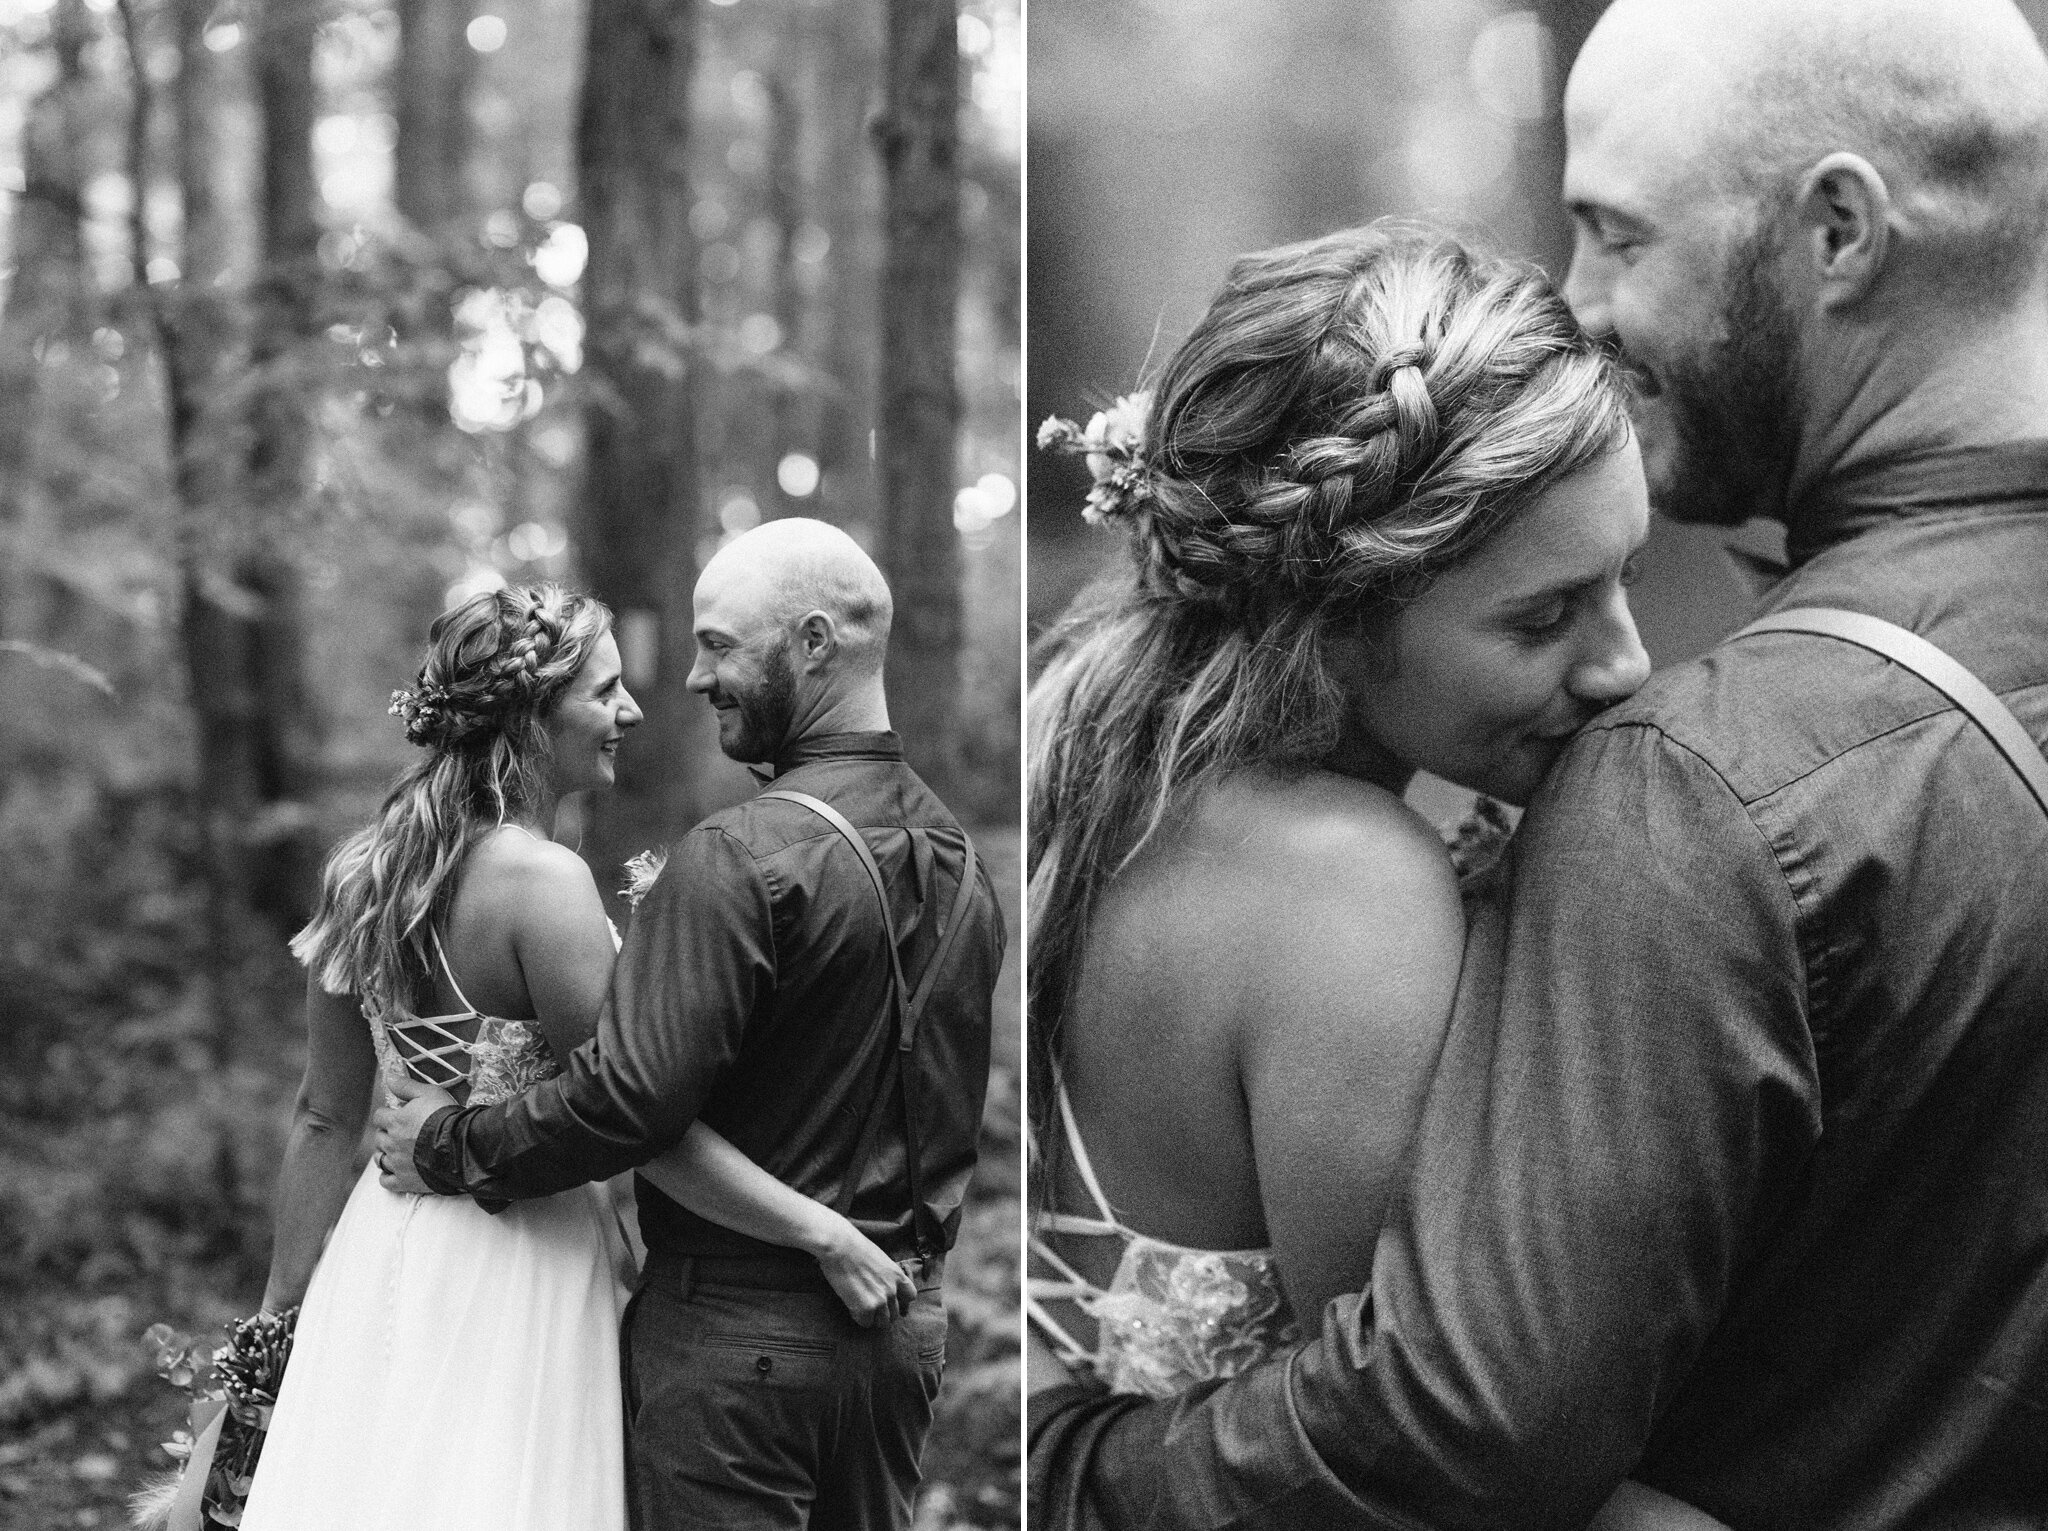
(798, 475)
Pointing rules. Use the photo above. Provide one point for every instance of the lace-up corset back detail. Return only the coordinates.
(490, 1058)
(1171, 1316)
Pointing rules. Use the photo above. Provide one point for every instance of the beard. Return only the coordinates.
(1731, 412)
(759, 724)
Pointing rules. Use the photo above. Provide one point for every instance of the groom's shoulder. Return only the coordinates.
(759, 827)
(765, 825)
(1758, 713)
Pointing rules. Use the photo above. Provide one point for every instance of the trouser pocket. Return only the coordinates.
(737, 1409)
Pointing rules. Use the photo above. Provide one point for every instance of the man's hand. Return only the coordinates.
(874, 1287)
(397, 1129)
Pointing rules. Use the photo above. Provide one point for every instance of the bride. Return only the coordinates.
(1380, 510)
(453, 1367)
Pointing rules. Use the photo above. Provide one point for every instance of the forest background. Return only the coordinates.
(319, 315)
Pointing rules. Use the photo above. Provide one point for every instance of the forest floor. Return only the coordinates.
(88, 1261)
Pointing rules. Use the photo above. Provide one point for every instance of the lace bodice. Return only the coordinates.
(1171, 1316)
(504, 1058)
(493, 1059)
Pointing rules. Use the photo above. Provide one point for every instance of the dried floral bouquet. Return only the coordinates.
(233, 1391)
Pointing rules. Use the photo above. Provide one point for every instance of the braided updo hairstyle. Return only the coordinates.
(496, 666)
(1352, 416)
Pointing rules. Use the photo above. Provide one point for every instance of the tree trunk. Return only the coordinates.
(141, 107)
(431, 85)
(640, 494)
(49, 298)
(276, 740)
(919, 138)
(197, 327)
(434, 193)
(846, 58)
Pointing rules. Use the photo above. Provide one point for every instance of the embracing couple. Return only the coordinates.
(1689, 1165)
(792, 1049)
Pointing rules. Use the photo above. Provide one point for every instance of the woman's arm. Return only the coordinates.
(564, 946)
(715, 1180)
(327, 1127)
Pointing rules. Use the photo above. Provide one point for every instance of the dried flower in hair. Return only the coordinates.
(427, 712)
(1113, 446)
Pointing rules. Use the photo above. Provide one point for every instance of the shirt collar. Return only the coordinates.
(879, 745)
(2006, 476)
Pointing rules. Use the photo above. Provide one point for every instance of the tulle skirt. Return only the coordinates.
(453, 1369)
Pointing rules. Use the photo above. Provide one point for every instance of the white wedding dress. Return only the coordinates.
(452, 1368)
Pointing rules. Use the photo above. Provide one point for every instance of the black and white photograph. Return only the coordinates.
(1024, 765)
(510, 855)
(1537, 832)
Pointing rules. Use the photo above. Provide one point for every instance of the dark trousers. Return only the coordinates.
(755, 1408)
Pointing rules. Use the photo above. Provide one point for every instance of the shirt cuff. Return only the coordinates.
(437, 1155)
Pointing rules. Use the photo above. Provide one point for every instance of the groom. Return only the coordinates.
(1733, 1179)
(754, 992)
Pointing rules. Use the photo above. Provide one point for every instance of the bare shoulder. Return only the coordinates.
(1281, 904)
(1339, 900)
(514, 851)
(1330, 838)
(510, 867)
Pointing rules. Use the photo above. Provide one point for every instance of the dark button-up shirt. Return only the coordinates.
(1734, 1175)
(749, 993)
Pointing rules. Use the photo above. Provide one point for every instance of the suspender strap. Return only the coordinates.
(1951, 679)
(903, 1005)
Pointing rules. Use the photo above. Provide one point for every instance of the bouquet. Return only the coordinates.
(233, 1390)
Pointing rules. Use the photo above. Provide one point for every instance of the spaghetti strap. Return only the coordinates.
(441, 952)
(1071, 1352)
(1083, 1166)
(1150, 1337)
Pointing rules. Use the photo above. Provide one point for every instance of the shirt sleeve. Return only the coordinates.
(1626, 1095)
(697, 964)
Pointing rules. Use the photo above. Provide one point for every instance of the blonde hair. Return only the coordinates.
(1352, 416)
(495, 667)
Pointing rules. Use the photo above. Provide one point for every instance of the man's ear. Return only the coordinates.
(1843, 213)
(817, 638)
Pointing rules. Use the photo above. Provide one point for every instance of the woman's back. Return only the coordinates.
(522, 905)
(1261, 998)
(525, 917)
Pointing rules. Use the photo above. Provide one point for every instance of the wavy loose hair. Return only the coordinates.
(496, 666)
(1352, 416)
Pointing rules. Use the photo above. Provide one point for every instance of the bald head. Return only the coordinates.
(1946, 99)
(781, 571)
